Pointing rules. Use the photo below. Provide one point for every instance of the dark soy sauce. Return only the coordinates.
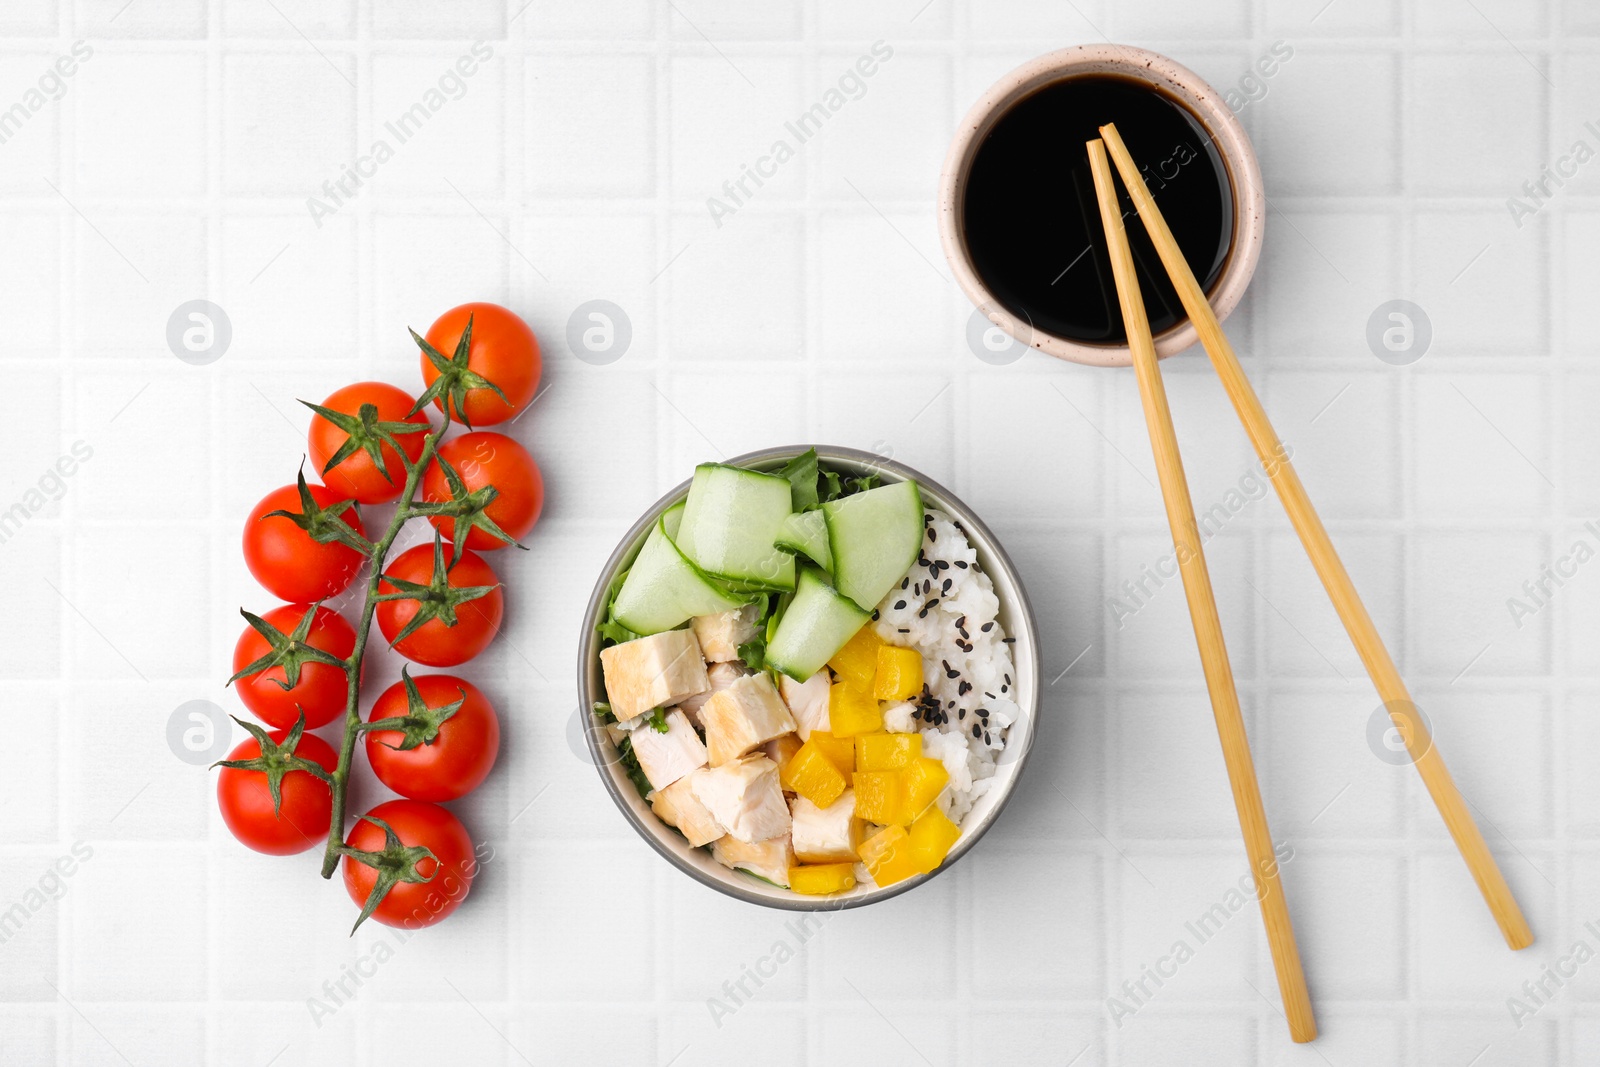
(1032, 224)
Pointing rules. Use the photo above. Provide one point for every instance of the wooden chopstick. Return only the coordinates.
(1203, 613)
(1335, 579)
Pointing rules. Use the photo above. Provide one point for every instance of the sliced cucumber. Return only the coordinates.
(816, 624)
(874, 538)
(663, 589)
(730, 522)
(806, 532)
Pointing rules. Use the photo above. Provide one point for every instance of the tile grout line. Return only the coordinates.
(66, 158)
(215, 60)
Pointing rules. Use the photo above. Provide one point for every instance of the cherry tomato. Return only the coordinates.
(322, 688)
(301, 821)
(460, 754)
(434, 643)
(503, 350)
(357, 475)
(284, 558)
(414, 904)
(486, 458)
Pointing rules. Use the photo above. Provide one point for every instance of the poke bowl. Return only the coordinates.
(824, 726)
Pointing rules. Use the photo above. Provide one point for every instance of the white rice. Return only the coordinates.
(966, 662)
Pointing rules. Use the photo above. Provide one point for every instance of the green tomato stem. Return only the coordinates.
(403, 513)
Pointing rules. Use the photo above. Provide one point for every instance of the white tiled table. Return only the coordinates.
(575, 166)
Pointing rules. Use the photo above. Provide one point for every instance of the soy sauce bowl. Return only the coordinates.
(1016, 617)
(1179, 84)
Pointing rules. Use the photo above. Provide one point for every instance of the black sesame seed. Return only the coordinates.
(898, 604)
(904, 630)
(977, 731)
(1008, 640)
(986, 738)
(1003, 688)
(987, 627)
(948, 582)
(962, 713)
(1008, 679)
(961, 563)
(907, 581)
(874, 614)
(964, 688)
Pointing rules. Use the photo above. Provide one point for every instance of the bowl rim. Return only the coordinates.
(1026, 644)
(1194, 92)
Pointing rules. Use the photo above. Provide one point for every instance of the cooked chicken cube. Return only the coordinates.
(781, 750)
(676, 806)
(720, 675)
(826, 835)
(746, 714)
(807, 701)
(771, 859)
(745, 797)
(666, 757)
(653, 672)
(721, 635)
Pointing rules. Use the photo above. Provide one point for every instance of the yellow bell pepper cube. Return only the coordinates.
(899, 674)
(813, 775)
(841, 750)
(881, 797)
(887, 752)
(925, 780)
(931, 837)
(853, 710)
(857, 661)
(821, 879)
(887, 855)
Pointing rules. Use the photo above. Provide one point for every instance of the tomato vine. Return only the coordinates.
(409, 855)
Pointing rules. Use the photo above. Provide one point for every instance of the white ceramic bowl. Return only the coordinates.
(1016, 616)
(1171, 78)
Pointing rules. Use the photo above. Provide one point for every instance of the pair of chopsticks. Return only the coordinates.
(1202, 604)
